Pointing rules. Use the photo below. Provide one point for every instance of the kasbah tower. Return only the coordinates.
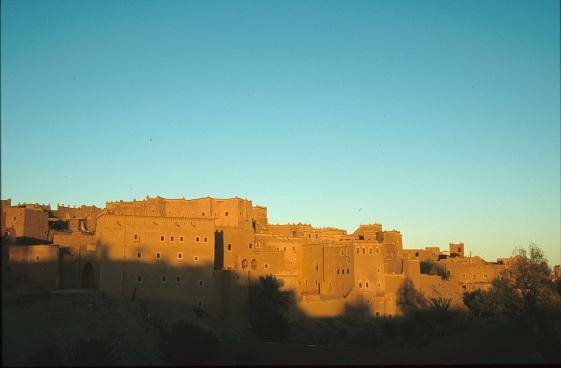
(206, 252)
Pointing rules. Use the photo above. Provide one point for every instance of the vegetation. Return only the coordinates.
(440, 306)
(185, 343)
(92, 352)
(50, 355)
(86, 352)
(268, 309)
(527, 297)
(429, 267)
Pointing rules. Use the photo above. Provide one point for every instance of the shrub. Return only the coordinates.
(429, 267)
(51, 356)
(93, 352)
(440, 305)
(185, 343)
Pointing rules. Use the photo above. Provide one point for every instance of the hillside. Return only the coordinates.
(39, 320)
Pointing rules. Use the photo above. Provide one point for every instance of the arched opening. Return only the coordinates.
(88, 279)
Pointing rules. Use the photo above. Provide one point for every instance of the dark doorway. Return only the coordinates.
(219, 250)
(88, 280)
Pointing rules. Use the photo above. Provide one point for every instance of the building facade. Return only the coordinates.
(206, 252)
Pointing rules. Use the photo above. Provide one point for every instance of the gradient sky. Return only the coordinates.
(437, 118)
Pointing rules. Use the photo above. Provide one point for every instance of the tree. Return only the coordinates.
(498, 301)
(526, 294)
(522, 289)
(426, 266)
(530, 277)
(268, 308)
(429, 267)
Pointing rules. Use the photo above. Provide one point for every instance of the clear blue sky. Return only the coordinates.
(437, 118)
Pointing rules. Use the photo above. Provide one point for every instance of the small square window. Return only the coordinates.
(196, 258)
(179, 255)
(164, 279)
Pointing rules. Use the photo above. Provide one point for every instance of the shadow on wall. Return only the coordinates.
(168, 277)
(246, 298)
(46, 273)
(272, 313)
(88, 277)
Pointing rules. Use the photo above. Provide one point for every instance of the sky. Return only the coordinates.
(437, 118)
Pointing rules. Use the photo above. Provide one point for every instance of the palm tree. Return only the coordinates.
(268, 307)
